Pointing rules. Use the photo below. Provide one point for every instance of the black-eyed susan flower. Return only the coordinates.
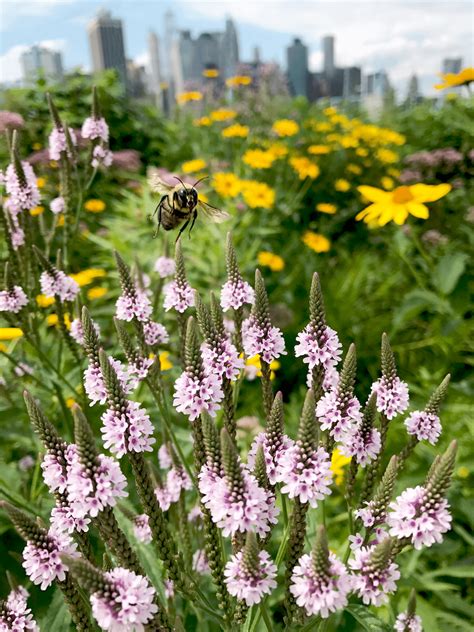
(204, 121)
(227, 185)
(192, 166)
(304, 167)
(326, 207)
(318, 150)
(222, 114)
(315, 241)
(338, 463)
(285, 127)
(342, 185)
(258, 194)
(238, 80)
(270, 260)
(96, 292)
(94, 206)
(236, 131)
(398, 204)
(210, 73)
(258, 158)
(186, 97)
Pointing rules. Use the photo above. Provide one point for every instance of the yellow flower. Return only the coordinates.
(53, 164)
(184, 97)
(37, 210)
(463, 471)
(315, 241)
(204, 121)
(96, 292)
(239, 80)
(398, 204)
(44, 301)
(322, 127)
(53, 320)
(61, 221)
(226, 184)
(304, 167)
(236, 130)
(387, 156)
(451, 80)
(285, 127)
(387, 183)
(351, 168)
(191, 166)
(203, 197)
(278, 150)
(258, 159)
(94, 206)
(10, 333)
(342, 185)
(362, 152)
(37, 146)
(318, 150)
(223, 115)
(70, 401)
(165, 363)
(85, 277)
(326, 207)
(258, 194)
(338, 462)
(210, 73)
(268, 259)
(254, 361)
(40, 182)
(330, 111)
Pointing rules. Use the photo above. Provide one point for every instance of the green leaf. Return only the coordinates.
(465, 570)
(367, 619)
(58, 618)
(448, 271)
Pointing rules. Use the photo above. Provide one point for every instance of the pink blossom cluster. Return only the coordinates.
(42, 561)
(250, 584)
(392, 396)
(424, 425)
(177, 480)
(371, 585)
(320, 594)
(22, 197)
(59, 284)
(306, 477)
(318, 348)
(127, 430)
(126, 604)
(165, 266)
(17, 234)
(195, 395)
(57, 205)
(77, 333)
(133, 305)
(272, 452)
(179, 295)
(155, 333)
(101, 157)
(15, 614)
(13, 299)
(364, 446)
(236, 294)
(94, 384)
(340, 415)
(141, 529)
(57, 143)
(55, 466)
(408, 623)
(95, 128)
(251, 508)
(222, 358)
(267, 342)
(200, 562)
(413, 515)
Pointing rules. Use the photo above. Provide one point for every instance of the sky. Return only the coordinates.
(401, 36)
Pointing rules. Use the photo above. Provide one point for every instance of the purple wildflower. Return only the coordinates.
(57, 205)
(95, 128)
(266, 341)
(222, 358)
(57, 143)
(247, 583)
(272, 451)
(194, 395)
(413, 515)
(392, 396)
(320, 593)
(318, 349)
(169, 588)
(77, 332)
(54, 466)
(58, 284)
(406, 622)
(236, 294)
(164, 457)
(165, 266)
(101, 157)
(24, 195)
(13, 299)
(200, 562)
(42, 560)
(424, 425)
(338, 414)
(128, 429)
(178, 296)
(10, 120)
(15, 614)
(126, 603)
(141, 529)
(133, 305)
(155, 333)
(94, 382)
(373, 582)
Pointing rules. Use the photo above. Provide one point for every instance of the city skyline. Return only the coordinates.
(250, 34)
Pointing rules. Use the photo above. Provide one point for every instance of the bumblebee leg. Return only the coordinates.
(158, 209)
(182, 229)
(195, 214)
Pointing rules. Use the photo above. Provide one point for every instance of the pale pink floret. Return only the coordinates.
(165, 266)
(250, 585)
(320, 594)
(13, 300)
(141, 529)
(57, 205)
(200, 562)
(414, 516)
(272, 454)
(101, 157)
(194, 395)
(178, 296)
(424, 426)
(77, 333)
(341, 416)
(408, 623)
(55, 467)
(373, 586)
(94, 128)
(324, 349)
(222, 359)
(155, 333)
(164, 457)
(306, 478)
(23, 197)
(59, 284)
(128, 431)
(127, 604)
(364, 447)
(392, 396)
(268, 343)
(94, 382)
(58, 144)
(136, 306)
(43, 564)
(16, 615)
(235, 295)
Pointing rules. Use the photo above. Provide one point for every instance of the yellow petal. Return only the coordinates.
(372, 193)
(369, 211)
(429, 192)
(388, 213)
(400, 215)
(417, 210)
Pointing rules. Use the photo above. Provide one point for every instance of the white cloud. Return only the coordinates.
(143, 59)
(402, 36)
(10, 65)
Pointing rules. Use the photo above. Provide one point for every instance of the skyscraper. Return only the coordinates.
(297, 64)
(230, 49)
(107, 44)
(155, 68)
(328, 55)
(38, 60)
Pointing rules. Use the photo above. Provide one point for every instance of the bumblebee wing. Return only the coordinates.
(211, 212)
(158, 185)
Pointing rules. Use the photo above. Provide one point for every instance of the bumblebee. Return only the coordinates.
(180, 204)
